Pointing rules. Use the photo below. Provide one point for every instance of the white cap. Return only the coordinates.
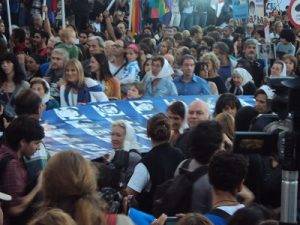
(5, 197)
(269, 92)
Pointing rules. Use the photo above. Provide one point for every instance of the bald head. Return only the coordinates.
(198, 111)
(170, 58)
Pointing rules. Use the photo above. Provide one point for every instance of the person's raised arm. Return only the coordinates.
(47, 25)
(109, 27)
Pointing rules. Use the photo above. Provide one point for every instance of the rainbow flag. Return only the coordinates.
(136, 16)
(159, 7)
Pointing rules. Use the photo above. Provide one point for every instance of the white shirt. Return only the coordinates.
(219, 8)
(140, 179)
(175, 8)
(97, 26)
(113, 69)
(73, 96)
(231, 209)
(189, 8)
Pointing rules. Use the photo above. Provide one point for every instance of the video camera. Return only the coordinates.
(286, 144)
(261, 143)
(266, 130)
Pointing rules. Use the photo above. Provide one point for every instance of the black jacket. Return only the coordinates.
(248, 89)
(255, 68)
(183, 143)
(161, 163)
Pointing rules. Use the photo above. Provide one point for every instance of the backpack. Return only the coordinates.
(175, 195)
(218, 216)
(121, 163)
(121, 158)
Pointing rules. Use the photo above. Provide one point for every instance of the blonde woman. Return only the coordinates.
(124, 144)
(76, 89)
(53, 217)
(69, 183)
(227, 122)
(212, 63)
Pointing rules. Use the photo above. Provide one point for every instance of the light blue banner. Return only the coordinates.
(87, 128)
(240, 9)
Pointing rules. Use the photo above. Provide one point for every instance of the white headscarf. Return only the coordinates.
(47, 96)
(130, 140)
(166, 71)
(283, 72)
(244, 74)
(269, 92)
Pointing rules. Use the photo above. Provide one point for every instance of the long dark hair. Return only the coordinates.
(19, 75)
(227, 100)
(104, 67)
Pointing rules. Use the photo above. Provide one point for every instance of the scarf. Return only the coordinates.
(83, 93)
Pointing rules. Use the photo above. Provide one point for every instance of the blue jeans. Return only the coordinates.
(186, 20)
(200, 18)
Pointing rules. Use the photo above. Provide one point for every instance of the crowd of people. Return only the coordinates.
(191, 171)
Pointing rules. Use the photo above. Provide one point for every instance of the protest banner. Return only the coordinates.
(240, 9)
(256, 11)
(87, 128)
(272, 5)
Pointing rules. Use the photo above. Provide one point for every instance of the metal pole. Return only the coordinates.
(289, 190)
(110, 5)
(44, 14)
(9, 17)
(63, 13)
(130, 16)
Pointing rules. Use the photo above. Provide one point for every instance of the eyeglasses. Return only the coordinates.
(117, 46)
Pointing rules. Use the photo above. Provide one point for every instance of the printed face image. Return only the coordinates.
(108, 110)
(69, 113)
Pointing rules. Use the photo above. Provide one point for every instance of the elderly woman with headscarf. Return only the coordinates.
(241, 82)
(278, 69)
(42, 88)
(124, 143)
(159, 81)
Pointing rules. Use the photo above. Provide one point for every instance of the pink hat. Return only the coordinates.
(134, 47)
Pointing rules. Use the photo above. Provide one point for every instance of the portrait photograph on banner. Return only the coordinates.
(256, 11)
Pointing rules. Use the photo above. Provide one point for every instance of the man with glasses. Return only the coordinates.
(117, 62)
